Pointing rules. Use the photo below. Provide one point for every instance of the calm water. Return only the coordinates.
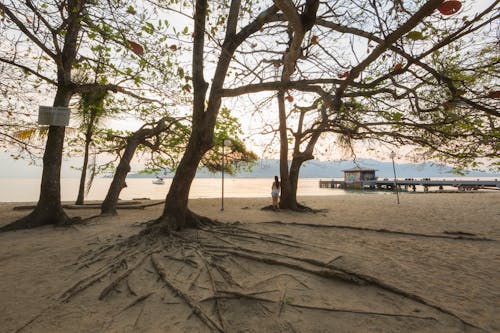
(28, 189)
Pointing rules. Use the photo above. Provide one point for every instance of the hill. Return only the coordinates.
(333, 169)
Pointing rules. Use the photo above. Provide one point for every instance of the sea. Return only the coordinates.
(28, 189)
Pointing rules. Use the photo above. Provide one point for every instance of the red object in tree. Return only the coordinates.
(450, 7)
(136, 47)
(343, 75)
(173, 47)
(398, 66)
(448, 105)
(289, 98)
(494, 94)
(314, 39)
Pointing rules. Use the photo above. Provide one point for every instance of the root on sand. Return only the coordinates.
(211, 267)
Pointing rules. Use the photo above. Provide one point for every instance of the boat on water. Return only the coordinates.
(158, 181)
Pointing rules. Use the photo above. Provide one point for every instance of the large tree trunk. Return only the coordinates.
(286, 200)
(176, 214)
(109, 204)
(49, 208)
(289, 193)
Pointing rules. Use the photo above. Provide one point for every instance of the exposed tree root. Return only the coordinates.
(161, 226)
(209, 261)
(214, 289)
(124, 275)
(331, 271)
(299, 208)
(304, 209)
(191, 303)
(87, 282)
(448, 235)
(95, 205)
(384, 314)
(294, 263)
(282, 301)
(280, 275)
(32, 320)
(248, 234)
(137, 301)
(406, 294)
(35, 220)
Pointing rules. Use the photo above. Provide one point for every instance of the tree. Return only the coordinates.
(211, 252)
(413, 88)
(48, 41)
(91, 109)
(176, 215)
(299, 24)
(237, 156)
(154, 136)
(64, 36)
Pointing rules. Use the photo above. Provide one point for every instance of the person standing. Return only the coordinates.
(275, 192)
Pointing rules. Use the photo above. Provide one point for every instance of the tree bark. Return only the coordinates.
(289, 190)
(83, 177)
(289, 194)
(49, 208)
(286, 200)
(81, 189)
(176, 214)
(109, 204)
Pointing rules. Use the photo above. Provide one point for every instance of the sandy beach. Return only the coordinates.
(360, 263)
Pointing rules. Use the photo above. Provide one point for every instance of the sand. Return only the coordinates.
(361, 263)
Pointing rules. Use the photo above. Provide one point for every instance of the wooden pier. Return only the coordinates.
(426, 183)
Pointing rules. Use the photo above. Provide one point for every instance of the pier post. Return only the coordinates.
(392, 156)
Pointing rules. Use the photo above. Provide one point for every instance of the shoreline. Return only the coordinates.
(22, 190)
(344, 192)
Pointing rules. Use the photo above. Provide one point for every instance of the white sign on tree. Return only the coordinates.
(53, 115)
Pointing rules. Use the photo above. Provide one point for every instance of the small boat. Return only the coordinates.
(158, 181)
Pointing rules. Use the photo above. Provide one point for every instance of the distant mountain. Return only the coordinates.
(333, 169)
(10, 168)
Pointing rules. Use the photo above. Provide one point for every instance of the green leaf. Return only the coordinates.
(415, 35)
(397, 116)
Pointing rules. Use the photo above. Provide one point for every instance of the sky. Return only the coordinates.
(250, 124)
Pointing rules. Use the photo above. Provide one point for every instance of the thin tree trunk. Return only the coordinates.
(109, 204)
(81, 189)
(83, 177)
